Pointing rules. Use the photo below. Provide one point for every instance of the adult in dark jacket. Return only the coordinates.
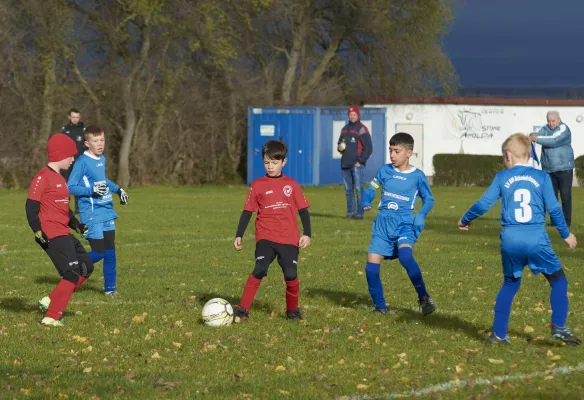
(75, 130)
(557, 158)
(355, 145)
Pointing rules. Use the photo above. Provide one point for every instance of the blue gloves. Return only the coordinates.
(419, 222)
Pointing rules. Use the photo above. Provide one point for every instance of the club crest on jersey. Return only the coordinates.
(287, 190)
(392, 206)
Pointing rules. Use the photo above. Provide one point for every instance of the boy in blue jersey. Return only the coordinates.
(526, 193)
(89, 183)
(396, 229)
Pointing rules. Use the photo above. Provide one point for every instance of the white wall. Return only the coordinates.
(475, 129)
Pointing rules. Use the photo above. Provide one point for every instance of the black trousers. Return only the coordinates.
(69, 257)
(562, 182)
(266, 251)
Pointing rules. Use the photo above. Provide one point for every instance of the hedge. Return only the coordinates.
(465, 169)
(579, 165)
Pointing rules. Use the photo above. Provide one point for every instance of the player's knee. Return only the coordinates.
(405, 256)
(81, 269)
(260, 271)
(290, 274)
(556, 276)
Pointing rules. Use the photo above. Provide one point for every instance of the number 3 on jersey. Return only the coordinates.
(523, 197)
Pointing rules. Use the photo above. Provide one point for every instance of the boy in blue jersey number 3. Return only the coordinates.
(396, 229)
(94, 190)
(526, 193)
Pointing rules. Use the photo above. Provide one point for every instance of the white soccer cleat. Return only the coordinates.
(47, 321)
(44, 303)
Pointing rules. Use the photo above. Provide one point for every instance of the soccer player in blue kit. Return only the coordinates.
(94, 190)
(396, 229)
(526, 194)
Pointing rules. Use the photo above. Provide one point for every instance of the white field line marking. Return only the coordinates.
(446, 386)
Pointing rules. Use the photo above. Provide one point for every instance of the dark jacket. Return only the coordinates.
(75, 132)
(358, 147)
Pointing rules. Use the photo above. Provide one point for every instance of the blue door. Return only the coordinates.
(294, 126)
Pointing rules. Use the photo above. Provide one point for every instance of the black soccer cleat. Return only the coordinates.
(426, 305)
(240, 315)
(493, 339)
(381, 311)
(294, 314)
(565, 336)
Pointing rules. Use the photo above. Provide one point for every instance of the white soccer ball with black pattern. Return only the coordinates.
(217, 312)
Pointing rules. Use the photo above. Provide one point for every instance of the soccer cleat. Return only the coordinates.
(350, 216)
(44, 303)
(565, 335)
(112, 293)
(357, 217)
(493, 339)
(294, 314)
(426, 305)
(47, 321)
(381, 310)
(240, 315)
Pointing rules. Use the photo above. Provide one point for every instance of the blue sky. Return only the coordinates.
(518, 42)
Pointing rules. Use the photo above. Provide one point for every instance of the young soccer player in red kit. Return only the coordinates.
(49, 216)
(277, 199)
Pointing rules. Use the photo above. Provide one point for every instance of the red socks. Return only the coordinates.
(292, 292)
(59, 299)
(80, 281)
(249, 291)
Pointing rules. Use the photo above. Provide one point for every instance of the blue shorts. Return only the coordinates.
(390, 230)
(96, 229)
(531, 247)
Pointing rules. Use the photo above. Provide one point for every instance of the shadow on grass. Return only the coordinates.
(21, 305)
(53, 280)
(323, 215)
(345, 299)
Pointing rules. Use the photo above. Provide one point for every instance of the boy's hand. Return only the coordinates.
(462, 226)
(419, 223)
(366, 208)
(304, 242)
(41, 238)
(237, 243)
(123, 197)
(100, 188)
(571, 240)
(83, 230)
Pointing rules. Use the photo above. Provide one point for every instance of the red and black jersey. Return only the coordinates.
(277, 201)
(358, 145)
(49, 188)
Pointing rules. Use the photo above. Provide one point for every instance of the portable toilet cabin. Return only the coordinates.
(311, 134)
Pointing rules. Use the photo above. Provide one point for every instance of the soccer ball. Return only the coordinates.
(217, 312)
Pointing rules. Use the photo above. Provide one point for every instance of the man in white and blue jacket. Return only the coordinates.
(557, 158)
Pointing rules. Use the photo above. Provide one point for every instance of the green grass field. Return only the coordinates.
(175, 252)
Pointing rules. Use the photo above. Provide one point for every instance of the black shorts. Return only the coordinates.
(66, 253)
(287, 254)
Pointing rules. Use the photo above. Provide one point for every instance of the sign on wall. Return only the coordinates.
(478, 122)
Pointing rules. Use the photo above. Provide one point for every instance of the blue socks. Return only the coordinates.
(406, 259)
(559, 301)
(109, 270)
(374, 284)
(503, 306)
(95, 256)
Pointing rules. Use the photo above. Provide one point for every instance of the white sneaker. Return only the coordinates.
(44, 303)
(51, 322)
(112, 293)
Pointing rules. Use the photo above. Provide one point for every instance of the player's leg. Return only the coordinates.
(264, 254)
(380, 247)
(349, 190)
(546, 261)
(109, 259)
(95, 238)
(513, 263)
(85, 262)
(63, 254)
(288, 260)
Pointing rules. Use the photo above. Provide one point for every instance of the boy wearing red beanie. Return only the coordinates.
(49, 216)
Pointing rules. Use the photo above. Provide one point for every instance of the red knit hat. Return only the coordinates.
(60, 146)
(354, 109)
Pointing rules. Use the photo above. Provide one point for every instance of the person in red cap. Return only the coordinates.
(356, 147)
(50, 218)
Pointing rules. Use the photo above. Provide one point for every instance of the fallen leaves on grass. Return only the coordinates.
(495, 361)
(528, 329)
